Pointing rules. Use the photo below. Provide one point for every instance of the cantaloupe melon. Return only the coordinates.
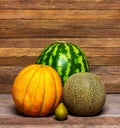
(84, 94)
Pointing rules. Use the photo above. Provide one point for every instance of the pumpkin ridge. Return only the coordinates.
(27, 86)
(49, 100)
(44, 94)
(35, 89)
(45, 97)
(55, 99)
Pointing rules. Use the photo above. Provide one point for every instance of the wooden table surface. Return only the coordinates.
(108, 118)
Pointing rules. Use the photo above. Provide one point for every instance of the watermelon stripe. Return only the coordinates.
(55, 50)
(50, 61)
(47, 52)
(74, 61)
(84, 62)
(60, 59)
(80, 58)
(68, 66)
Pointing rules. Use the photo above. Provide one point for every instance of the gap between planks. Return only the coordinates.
(56, 4)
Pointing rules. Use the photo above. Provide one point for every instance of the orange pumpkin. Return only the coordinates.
(37, 90)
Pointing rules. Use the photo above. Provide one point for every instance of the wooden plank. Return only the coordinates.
(56, 4)
(112, 83)
(59, 126)
(44, 42)
(92, 52)
(52, 24)
(104, 60)
(108, 118)
(19, 61)
(108, 70)
(19, 52)
(60, 14)
(57, 28)
(5, 88)
(59, 33)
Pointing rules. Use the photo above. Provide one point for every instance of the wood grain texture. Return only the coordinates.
(50, 24)
(60, 14)
(94, 52)
(53, 28)
(56, 4)
(59, 33)
(43, 42)
(108, 118)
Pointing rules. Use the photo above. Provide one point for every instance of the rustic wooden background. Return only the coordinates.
(27, 26)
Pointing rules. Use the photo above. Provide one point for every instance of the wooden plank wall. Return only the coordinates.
(27, 26)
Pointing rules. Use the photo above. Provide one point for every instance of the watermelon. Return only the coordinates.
(65, 58)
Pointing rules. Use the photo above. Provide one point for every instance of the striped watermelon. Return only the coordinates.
(66, 58)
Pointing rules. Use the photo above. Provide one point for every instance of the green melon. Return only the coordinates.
(84, 94)
(65, 58)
